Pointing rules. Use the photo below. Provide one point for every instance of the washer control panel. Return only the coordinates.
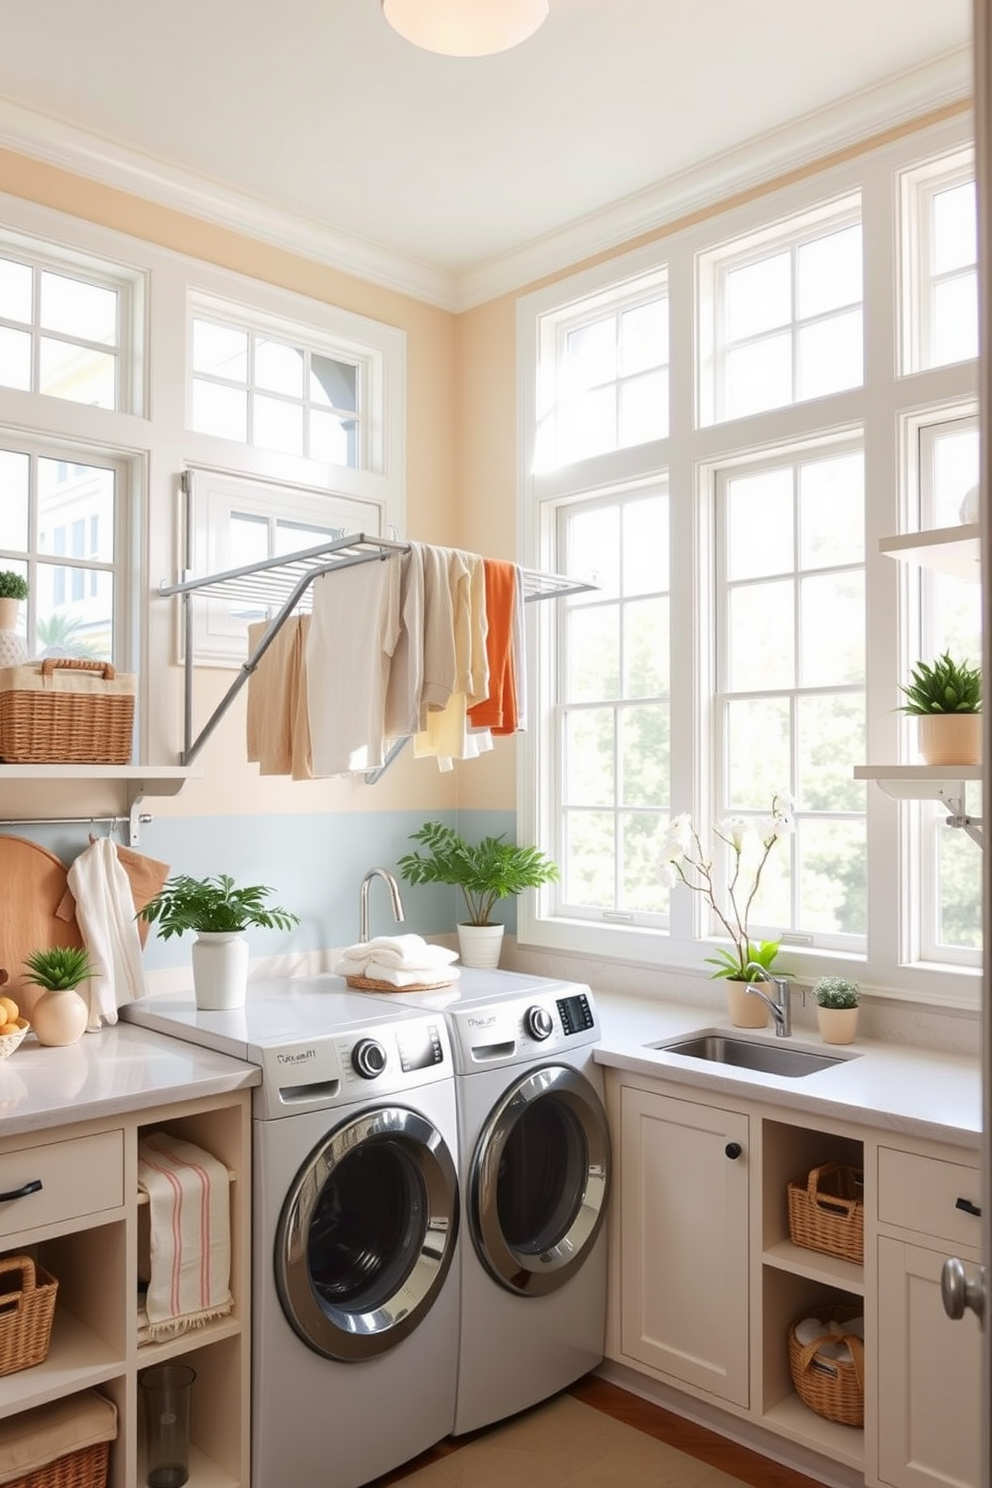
(576, 1014)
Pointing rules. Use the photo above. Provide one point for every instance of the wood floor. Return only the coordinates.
(737, 1462)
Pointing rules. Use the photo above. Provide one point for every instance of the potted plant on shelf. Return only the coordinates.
(59, 1015)
(837, 1001)
(749, 843)
(946, 698)
(218, 912)
(13, 646)
(485, 872)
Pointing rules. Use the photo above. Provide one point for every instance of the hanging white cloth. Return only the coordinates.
(105, 915)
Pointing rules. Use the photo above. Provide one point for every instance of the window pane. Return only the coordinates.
(78, 374)
(291, 537)
(15, 291)
(593, 643)
(220, 410)
(832, 876)
(279, 368)
(247, 540)
(645, 756)
(829, 272)
(644, 337)
(333, 439)
(14, 477)
(221, 351)
(78, 499)
(646, 648)
(589, 869)
(590, 355)
(760, 642)
(832, 621)
(277, 425)
(642, 834)
(830, 355)
(589, 757)
(955, 461)
(333, 383)
(757, 750)
(643, 409)
(759, 524)
(588, 424)
(831, 511)
(959, 870)
(75, 611)
(72, 308)
(592, 543)
(955, 228)
(15, 359)
(645, 545)
(759, 376)
(955, 320)
(758, 297)
(831, 738)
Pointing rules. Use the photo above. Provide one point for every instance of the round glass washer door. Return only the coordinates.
(367, 1234)
(539, 1181)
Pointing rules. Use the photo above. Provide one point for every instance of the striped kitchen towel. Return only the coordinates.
(189, 1251)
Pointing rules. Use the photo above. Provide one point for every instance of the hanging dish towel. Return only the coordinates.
(189, 1236)
(105, 915)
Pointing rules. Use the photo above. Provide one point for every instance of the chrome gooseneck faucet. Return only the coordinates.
(779, 1006)
(394, 894)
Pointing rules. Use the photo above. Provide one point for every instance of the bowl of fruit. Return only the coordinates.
(12, 1026)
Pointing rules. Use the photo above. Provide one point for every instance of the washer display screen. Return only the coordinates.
(420, 1047)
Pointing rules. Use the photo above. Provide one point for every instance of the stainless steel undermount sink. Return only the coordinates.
(769, 1059)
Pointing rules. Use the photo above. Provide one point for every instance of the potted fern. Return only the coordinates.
(59, 1016)
(945, 696)
(837, 1001)
(485, 871)
(218, 912)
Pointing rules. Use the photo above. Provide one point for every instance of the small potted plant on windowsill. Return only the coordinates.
(837, 1001)
(485, 872)
(945, 696)
(218, 912)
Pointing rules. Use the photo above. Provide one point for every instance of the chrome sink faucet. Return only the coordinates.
(394, 894)
(779, 1006)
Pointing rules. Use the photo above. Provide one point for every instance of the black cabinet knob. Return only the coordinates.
(733, 1150)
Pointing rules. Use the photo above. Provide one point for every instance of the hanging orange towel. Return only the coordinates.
(498, 711)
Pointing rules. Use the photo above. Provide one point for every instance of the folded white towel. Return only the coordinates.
(401, 952)
(189, 1235)
(105, 914)
(396, 976)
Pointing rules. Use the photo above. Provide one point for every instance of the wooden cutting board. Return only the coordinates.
(32, 885)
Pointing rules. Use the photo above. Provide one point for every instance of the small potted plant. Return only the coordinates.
(485, 872)
(218, 912)
(13, 646)
(837, 1001)
(59, 1015)
(946, 698)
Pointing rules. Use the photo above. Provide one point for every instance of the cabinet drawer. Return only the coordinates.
(79, 1177)
(922, 1194)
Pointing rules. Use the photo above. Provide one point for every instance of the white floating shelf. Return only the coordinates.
(948, 550)
(920, 782)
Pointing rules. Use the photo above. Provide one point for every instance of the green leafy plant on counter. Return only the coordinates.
(836, 992)
(213, 905)
(943, 686)
(58, 969)
(484, 871)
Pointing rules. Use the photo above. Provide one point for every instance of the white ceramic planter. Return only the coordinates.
(59, 1018)
(480, 945)
(220, 970)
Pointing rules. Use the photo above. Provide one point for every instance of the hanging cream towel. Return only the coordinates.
(105, 915)
(189, 1236)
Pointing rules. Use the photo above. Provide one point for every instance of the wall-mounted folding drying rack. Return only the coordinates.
(282, 586)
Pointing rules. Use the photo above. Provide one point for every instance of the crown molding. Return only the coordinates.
(801, 143)
(898, 101)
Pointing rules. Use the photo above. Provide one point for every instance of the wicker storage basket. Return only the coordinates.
(27, 1306)
(65, 710)
(827, 1212)
(62, 1445)
(834, 1388)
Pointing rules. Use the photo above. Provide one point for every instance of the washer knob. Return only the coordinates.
(539, 1023)
(368, 1058)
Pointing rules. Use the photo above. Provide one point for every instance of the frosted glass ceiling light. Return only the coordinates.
(465, 28)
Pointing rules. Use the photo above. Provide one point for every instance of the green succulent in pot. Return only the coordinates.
(58, 969)
(836, 992)
(943, 686)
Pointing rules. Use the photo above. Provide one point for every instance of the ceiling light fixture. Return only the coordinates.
(465, 28)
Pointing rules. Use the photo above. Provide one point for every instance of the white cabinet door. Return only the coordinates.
(929, 1375)
(684, 1241)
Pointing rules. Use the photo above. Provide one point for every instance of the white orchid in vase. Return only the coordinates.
(750, 843)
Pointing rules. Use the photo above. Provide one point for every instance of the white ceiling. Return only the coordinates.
(454, 177)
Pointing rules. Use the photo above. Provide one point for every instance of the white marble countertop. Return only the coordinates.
(894, 1088)
(119, 1069)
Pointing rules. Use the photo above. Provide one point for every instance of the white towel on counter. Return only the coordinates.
(400, 960)
(189, 1281)
(105, 915)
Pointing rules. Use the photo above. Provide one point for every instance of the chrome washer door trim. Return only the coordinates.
(347, 1333)
(533, 1271)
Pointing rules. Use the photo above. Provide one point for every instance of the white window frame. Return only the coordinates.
(917, 187)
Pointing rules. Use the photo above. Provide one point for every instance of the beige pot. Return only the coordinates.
(746, 1010)
(480, 945)
(950, 738)
(59, 1018)
(837, 1025)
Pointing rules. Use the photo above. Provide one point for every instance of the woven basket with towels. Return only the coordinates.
(397, 963)
(827, 1362)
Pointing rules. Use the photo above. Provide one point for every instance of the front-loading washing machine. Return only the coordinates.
(535, 1178)
(355, 1282)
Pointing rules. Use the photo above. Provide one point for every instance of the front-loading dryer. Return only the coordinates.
(535, 1178)
(355, 1234)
